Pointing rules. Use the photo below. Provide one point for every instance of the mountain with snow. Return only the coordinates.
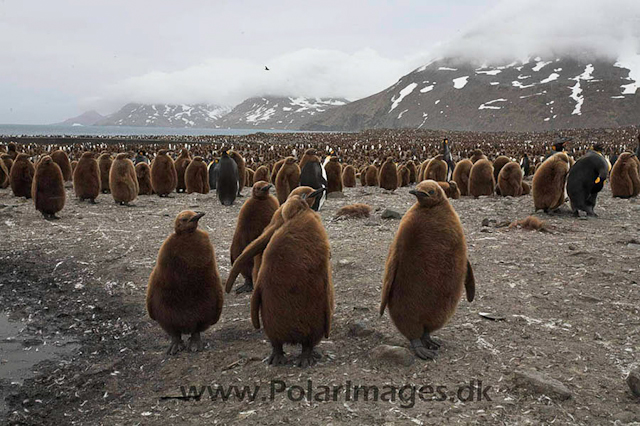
(528, 95)
(277, 112)
(166, 115)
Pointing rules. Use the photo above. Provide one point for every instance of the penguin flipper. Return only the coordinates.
(256, 301)
(470, 283)
(389, 278)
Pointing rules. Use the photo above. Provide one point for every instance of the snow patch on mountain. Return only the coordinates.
(460, 82)
(403, 93)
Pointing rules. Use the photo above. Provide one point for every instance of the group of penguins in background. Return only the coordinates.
(422, 283)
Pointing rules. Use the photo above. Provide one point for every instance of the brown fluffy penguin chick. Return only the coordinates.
(403, 176)
(388, 175)
(4, 175)
(294, 289)
(481, 179)
(276, 169)
(143, 173)
(181, 164)
(334, 175)
(461, 176)
(12, 151)
(47, 188)
(309, 155)
(526, 189)
(421, 170)
(123, 180)
(371, 176)
(184, 294)
(530, 223)
(256, 213)
(549, 181)
(625, 181)
(349, 176)
(62, 160)
(288, 178)
(413, 171)
(353, 211)
(164, 177)
(477, 155)
(510, 179)
(242, 176)
(7, 160)
(253, 252)
(21, 176)
(436, 170)
(427, 269)
(262, 173)
(197, 177)
(249, 180)
(498, 164)
(86, 178)
(104, 164)
(450, 189)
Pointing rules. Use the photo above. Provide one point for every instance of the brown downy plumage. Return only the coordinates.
(21, 176)
(123, 180)
(62, 160)
(288, 178)
(334, 175)
(47, 188)
(249, 179)
(549, 182)
(371, 176)
(256, 213)
(276, 169)
(349, 176)
(510, 180)
(164, 177)
(481, 178)
(86, 178)
(436, 170)
(262, 173)
(197, 177)
(450, 189)
(181, 164)
(498, 164)
(242, 176)
(625, 180)
(353, 211)
(477, 155)
(143, 173)
(427, 269)
(388, 175)
(184, 294)
(4, 175)
(104, 164)
(413, 171)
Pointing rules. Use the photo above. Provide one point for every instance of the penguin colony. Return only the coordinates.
(421, 286)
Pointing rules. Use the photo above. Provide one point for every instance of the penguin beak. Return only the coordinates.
(197, 217)
(266, 188)
(316, 193)
(418, 193)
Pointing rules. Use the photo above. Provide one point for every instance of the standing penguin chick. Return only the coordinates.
(104, 164)
(7, 160)
(294, 290)
(184, 294)
(371, 176)
(254, 216)
(249, 181)
(62, 160)
(510, 179)
(164, 177)
(413, 171)
(625, 179)
(388, 175)
(427, 269)
(227, 183)
(123, 180)
(242, 176)
(12, 151)
(481, 180)
(4, 175)
(334, 175)
(276, 169)
(498, 164)
(143, 173)
(548, 182)
(450, 189)
(288, 179)
(461, 176)
(436, 170)
(197, 177)
(477, 155)
(21, 176)
(585, 179)
(403, 176)
(86, 178)
(181, 164)
(262, 173)
(47, 188)
(349, 176)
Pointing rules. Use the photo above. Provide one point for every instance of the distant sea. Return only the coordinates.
(47, 130)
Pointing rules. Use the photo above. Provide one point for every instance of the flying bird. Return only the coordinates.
(266, 68)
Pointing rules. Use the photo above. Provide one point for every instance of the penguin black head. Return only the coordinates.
(187, 221)
(428, 193)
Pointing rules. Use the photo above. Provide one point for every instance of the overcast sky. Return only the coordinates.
(61, 58)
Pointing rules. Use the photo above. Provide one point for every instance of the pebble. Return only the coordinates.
(541, 384)
(390, 214)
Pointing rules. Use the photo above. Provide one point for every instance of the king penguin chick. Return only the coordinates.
(184, 294)
(427, 269)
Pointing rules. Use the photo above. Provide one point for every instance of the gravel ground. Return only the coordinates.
(552, 334)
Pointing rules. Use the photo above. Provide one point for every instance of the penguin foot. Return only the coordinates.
(429, 343)
(247, 287)
(195, 343)
(277, 357)
(93, 201)
(176, 345)
(306, 358)
(317, 355)
(420, 350)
